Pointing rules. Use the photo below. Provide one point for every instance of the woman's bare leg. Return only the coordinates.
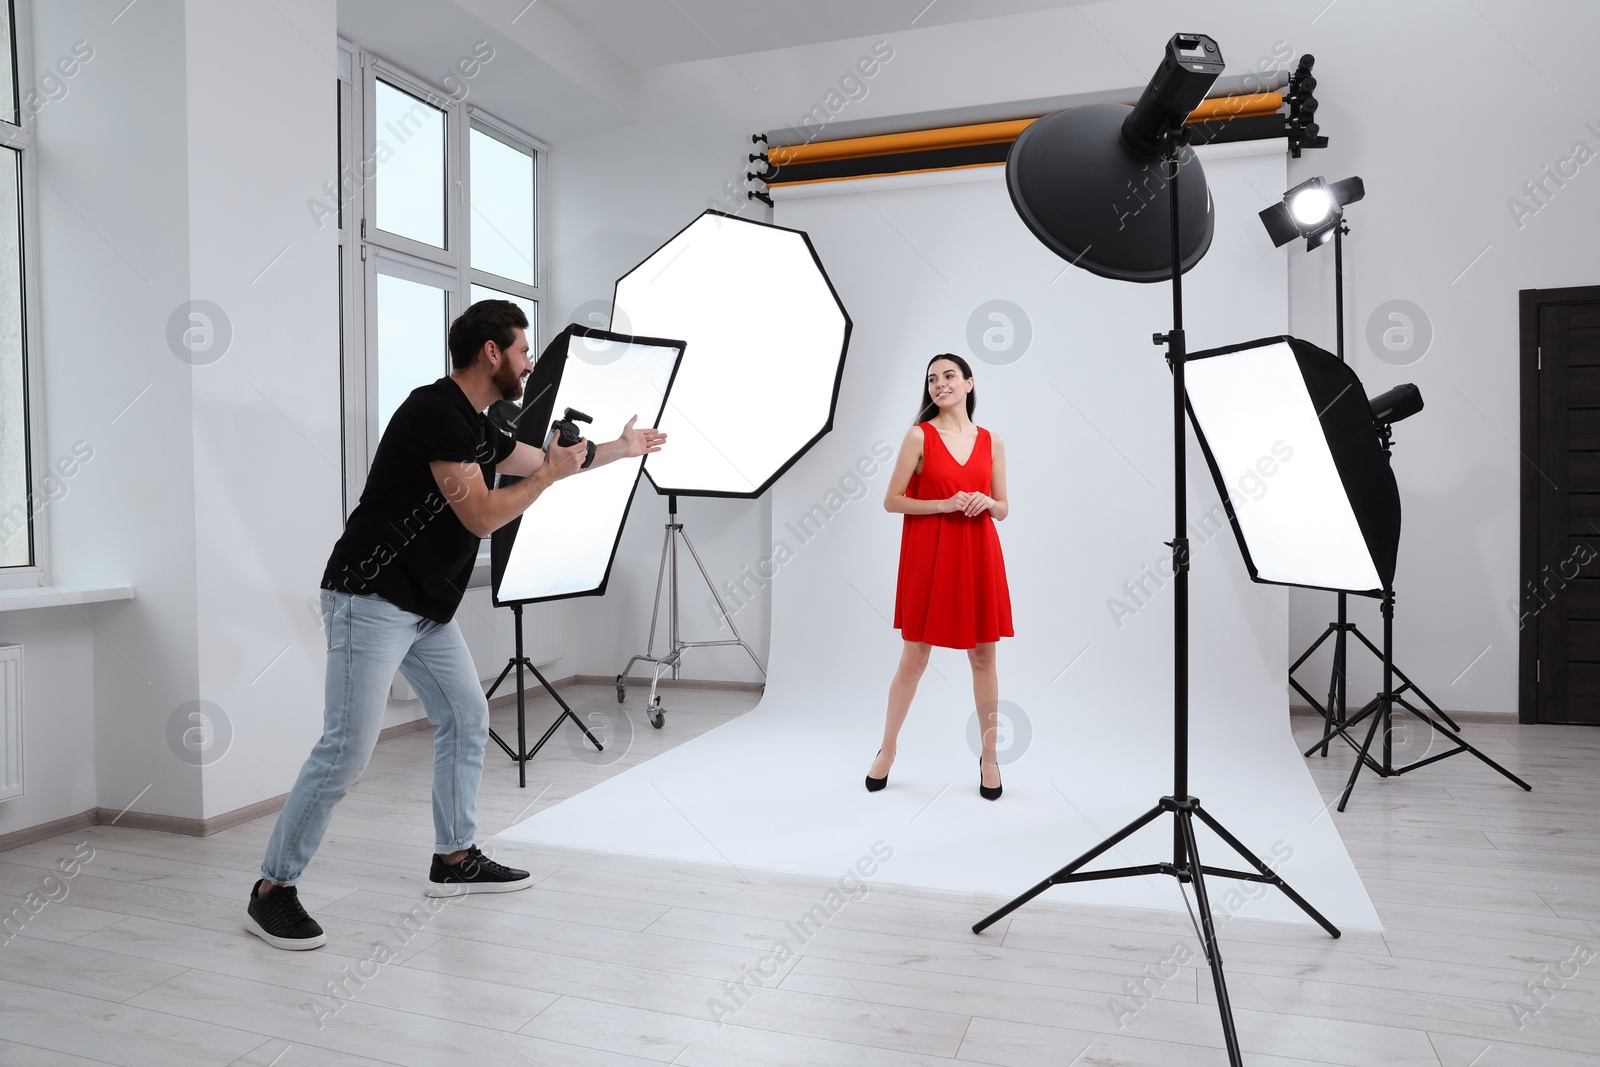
(913, 660)
(986, 695)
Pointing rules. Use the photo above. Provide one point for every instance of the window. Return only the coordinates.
(411, 323)
(15, 499)
(439, 208)
(26, 485)
(502, 206)
(409, 151)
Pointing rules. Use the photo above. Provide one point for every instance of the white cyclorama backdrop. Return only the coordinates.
(756, 312)
(565, 540)
(1254, 410)
(1085, 409)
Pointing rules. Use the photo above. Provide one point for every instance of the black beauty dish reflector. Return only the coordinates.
(1091, 184)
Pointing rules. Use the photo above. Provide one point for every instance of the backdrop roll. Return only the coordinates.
(1068, 377)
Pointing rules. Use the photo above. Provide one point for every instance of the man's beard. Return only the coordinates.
(508, 382)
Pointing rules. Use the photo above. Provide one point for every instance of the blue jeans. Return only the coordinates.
(368, 640)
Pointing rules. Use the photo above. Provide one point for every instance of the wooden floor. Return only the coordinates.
(1491, 956)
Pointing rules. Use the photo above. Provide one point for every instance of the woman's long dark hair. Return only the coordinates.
(927, 409)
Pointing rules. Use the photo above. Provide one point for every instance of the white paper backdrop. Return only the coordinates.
(1083, 401)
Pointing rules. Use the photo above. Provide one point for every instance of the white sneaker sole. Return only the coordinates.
(292, 944)
(461, 889)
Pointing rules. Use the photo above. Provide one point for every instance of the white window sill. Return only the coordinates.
(60, 596)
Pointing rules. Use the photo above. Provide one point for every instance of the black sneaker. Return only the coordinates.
(281, 921)
(476, 873)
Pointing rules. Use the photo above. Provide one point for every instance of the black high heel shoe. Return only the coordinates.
(875, 784)
(984, 791)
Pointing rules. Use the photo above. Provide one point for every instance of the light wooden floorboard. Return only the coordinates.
(1488, 895)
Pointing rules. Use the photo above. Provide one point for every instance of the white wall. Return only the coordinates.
(1430, 103)
(177, 168)
(266, 417)
(1436, 199)
(113, 233)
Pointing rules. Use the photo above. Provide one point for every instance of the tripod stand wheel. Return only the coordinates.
(658, 714)
(622, 687)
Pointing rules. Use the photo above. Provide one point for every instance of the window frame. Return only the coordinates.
(367, 251)
(374, 70)
(19, 136)
(529, 291)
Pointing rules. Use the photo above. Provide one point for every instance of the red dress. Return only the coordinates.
(952, 589)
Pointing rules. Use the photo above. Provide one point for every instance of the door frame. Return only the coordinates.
(1530, 303)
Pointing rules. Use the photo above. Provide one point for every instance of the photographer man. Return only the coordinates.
(389, 597)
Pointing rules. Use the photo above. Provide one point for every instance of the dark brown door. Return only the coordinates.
(1560, 602)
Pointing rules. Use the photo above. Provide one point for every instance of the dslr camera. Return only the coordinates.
(564, 431)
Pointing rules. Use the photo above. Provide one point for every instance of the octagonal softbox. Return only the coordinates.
(766, 338)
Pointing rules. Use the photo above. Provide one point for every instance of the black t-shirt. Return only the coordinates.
(403, 542)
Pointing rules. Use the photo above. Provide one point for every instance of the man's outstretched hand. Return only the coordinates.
(640, 441)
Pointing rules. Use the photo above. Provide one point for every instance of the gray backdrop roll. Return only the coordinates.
(1082, 400)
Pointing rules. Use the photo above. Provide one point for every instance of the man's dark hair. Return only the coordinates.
(487, 320)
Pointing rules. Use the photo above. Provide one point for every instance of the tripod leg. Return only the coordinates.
(649, 654)
(1344, 728)
(1335, 707)
(672, 602)
(566, 713)
(1267, 872)
(1208, 929)
(720, 606)
(1361, 758)
(655, 609)
(670, 660)
(1104, 846)
(1398, 673)
(1327, 720)
(522, 722)
(510, 663)
(1307, 653)
(495, 688)
(1464, 746)
(507, 749)
(1325, 712)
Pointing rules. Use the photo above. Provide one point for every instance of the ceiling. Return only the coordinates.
(654, 33)
(426, 38)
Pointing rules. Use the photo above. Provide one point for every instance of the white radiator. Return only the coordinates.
(10, 721)
(490, 634)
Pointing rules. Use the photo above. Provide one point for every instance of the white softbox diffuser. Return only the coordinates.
(766, 339)
(1330, 519)
(563, 545)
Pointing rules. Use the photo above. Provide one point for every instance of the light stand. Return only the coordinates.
(1285, 222)
(1185, 864)
(1381, 707)
(667, 572)
(700, 286)
(1337, 680)
(570, 552)
(520, 662)
(1334, 712)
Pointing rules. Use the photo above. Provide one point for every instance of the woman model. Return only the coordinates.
(949, 482)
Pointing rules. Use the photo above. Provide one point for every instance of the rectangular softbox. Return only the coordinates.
(1289, 436)
(564, 544)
